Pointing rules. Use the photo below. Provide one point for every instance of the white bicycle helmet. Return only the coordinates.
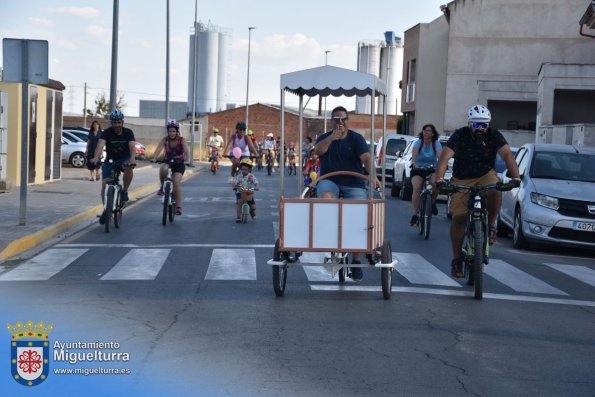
(479, 114)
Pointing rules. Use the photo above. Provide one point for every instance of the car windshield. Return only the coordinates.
(563, 166)
(395, 145)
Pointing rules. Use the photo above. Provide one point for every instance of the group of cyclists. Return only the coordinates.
(473, 147)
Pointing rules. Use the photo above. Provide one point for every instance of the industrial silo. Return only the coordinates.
(391, 70)
(368, 61)
(211, 69)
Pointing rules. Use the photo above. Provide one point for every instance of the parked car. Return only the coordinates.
(395, 144)
(83, 135)
(73, 153)
(555, 203)
(401, 178)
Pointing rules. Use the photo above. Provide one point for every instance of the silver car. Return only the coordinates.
(555, 203)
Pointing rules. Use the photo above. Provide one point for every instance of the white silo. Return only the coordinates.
(368, 61)
(391, 70)
(211, 73)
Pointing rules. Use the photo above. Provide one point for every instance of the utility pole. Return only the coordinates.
(248, 74)
(85, 107)
(114, 77)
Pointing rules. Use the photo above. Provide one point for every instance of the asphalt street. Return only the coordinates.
(193, 304)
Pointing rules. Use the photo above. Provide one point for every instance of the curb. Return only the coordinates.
(25, 243)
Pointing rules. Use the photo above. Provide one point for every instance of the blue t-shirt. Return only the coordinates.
(344, 155)
(427, 157)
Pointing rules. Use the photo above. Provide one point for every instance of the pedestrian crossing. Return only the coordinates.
(239, 263)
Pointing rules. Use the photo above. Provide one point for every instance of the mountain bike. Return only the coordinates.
(476, 248)
(112, 201)
(425, 201)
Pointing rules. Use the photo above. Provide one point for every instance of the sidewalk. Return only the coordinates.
(59, 209)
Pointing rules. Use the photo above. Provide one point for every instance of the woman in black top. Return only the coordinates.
(94, 133)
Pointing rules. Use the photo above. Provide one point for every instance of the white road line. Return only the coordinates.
(44, 265)
(435, 291)
(581, 273)
(419, 271)
(517, 279)
(232, 264)
(138, 264)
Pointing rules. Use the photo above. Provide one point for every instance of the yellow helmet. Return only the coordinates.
(247, 162)
(215, 129)
(250, 133)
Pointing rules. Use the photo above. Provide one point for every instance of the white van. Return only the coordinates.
(395, 145)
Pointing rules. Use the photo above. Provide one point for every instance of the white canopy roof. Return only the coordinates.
(331, 80)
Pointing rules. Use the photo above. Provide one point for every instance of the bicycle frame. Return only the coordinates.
(425, 203)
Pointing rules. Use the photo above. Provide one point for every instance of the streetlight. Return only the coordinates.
(248, 74)
(325, 63)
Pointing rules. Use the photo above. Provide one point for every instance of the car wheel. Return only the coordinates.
(518, 239)
(77, 160)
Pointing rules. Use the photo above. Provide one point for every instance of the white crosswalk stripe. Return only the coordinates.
(417, 270)
(518, 280)
(581, 273)
(44, 265)
(232, 264)
(138, 264)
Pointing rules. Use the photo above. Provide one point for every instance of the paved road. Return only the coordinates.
(193, 304)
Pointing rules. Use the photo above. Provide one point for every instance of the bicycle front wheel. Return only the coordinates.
(422, 214)
(166, 198)
(109, 206)
(478, 242)
(118, 211)
(427, 220)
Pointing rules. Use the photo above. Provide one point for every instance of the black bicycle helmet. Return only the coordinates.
(240, 125)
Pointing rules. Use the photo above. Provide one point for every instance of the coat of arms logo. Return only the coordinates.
(29, 352)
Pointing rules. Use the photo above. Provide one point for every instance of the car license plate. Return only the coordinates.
(584, 226)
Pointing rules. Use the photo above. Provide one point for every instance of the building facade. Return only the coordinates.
(497, 52)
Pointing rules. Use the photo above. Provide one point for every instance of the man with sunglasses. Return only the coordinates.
(474, 149)
(344, 150)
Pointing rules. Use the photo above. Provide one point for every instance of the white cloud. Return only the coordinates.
(85, 12)
(100, 33)
(41, 21)
(66, 44)
(141, 43)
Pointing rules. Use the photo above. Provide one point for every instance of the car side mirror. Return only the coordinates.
(399, 154)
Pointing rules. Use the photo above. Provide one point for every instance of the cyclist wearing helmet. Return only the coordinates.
(474, 149)
(291, 158)
(240, 140)
(269, 147)
(176, 149)
(215, 143)
(120, 148)
(245, 184)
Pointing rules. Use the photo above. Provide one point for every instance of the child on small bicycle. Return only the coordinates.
(245, 184)
(291, 158)
(312, 165)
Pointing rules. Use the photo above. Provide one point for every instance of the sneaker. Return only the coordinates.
(414, 220)
(434, 209)
(160, 192)
(253, 213)
(457, 268)
(492, 234)
(102, 218)
(356, 272)
(125, 197)
(178, 210)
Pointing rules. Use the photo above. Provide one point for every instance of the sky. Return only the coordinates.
(288, 36)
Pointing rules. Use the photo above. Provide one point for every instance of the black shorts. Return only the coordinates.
(178, 167)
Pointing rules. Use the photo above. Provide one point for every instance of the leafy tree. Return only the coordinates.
(102, 105)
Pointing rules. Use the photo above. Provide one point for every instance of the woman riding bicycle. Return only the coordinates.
(240, 140)
(269, 147)
(176, 149)
(291, 158)
(425, 153)
(245, 184)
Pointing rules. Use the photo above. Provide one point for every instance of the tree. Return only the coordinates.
(102, 105)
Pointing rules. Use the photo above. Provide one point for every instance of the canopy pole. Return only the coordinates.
(372, 136)
(384, 111)
(281, 187)
(301, 123)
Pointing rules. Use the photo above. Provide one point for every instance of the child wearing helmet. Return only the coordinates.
(245, 184)
(291, 158)
(177, 152)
